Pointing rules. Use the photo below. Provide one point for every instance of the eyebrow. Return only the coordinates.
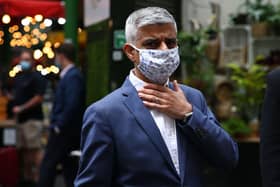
(150, 40)
(147, 41)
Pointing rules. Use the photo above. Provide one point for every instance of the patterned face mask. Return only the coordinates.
(158, 65)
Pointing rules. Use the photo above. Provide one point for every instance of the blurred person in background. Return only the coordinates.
(270, 132)
(152, 132)
(66, 120)
(27, 95)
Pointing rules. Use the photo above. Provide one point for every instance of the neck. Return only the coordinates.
(65, 64)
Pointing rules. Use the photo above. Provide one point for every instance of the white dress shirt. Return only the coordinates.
(165, 124)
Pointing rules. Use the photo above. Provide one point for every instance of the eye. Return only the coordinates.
(171, 43)
(151, 44)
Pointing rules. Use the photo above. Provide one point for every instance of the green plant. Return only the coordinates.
(199, 70)
(192, 46)
(274, 20)
(259, 11)
(241, 15)
(249, 86)
(238, 18)
(236, 127)
(253, 11)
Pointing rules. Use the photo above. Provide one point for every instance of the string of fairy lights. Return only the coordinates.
(32, 32)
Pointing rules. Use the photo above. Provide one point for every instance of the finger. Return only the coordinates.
(152, 99)
(176, 86)
(146, 97)
(152, 92)
(154, 106)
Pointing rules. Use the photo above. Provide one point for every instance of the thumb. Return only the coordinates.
(176, 85)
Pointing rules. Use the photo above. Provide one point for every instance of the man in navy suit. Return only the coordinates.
(270, 132)
(66, 120)
(151, 132)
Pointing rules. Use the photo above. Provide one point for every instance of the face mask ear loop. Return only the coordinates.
(133, 46)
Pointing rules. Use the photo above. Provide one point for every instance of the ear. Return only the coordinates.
(131, 53)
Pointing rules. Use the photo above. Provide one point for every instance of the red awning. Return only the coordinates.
(16, 8)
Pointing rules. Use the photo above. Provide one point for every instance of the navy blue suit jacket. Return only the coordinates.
(122, 146)
(69, 104)
(270, 132)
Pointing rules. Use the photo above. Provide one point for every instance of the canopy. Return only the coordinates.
(16, 8)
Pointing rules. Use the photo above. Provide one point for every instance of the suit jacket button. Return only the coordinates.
(199, 132)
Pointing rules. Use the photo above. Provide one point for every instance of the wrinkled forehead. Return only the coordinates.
(156, 31)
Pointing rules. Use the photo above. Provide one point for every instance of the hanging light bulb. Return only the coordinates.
(37, 54)
(38, 17)
(25, 21)
(48, 22)
(6, 18)
(61, 21)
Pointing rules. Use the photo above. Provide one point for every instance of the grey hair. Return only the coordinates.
(143, 17)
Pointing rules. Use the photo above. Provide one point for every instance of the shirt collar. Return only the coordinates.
(135, 81)
(65, 70)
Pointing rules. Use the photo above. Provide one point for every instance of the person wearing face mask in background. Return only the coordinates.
(151, 131)
(66, 120)
(28, 92)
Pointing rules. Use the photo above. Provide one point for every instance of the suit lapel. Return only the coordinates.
(181, 143)
(145, 120)
(181, 153)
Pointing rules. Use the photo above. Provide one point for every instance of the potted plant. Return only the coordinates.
(192, 46)
(274, 21)
(275, 24)
(199, 72)
(259, 12)
(249, 90)
(192, 52)
(241, 17)
(249, 83)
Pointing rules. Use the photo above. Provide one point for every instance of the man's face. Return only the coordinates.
(26, 61)
(58, 60)
(25, 56)
(157, 36)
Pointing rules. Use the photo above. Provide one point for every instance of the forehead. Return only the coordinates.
(159, 31)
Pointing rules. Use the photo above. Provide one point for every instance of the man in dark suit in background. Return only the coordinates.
(270, 132)
(66, 120)
(151, 132)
